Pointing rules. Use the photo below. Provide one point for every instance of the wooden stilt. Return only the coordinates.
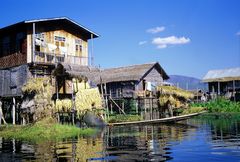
(218, 88)
(136, 104)
(14, 111)
(1, 113)
(234, 95)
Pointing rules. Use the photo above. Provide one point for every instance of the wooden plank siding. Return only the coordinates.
(12, 80)
(49, 38)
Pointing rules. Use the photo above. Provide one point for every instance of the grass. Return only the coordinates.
(45, 130)
(124, 118)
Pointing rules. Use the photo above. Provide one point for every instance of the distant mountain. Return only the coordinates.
(186, 82)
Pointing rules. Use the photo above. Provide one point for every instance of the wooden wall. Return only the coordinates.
(12, 80)
(69, 43)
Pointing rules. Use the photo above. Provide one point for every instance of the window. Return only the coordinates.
(78, 46)
(59, 39)
(60, 43)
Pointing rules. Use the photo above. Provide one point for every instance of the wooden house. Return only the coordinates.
(131, 81)
(131, 88)
(224, 82)
(33, 48)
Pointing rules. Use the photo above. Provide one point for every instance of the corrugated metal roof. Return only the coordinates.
(222, 75)
(62, 18)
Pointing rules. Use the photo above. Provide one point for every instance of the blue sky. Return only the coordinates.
(186, 37)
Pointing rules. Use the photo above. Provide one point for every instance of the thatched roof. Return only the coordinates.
(223, 75)
(130, 73)
(92, 73)
(126, 73)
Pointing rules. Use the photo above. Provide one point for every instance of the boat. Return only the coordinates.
(155, 121)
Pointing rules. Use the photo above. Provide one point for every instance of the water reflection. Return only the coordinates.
(191, 140)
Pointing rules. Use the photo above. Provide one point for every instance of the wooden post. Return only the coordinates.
(33, 43)
(1, 113)
(122, 103)
(106, 99)
(111, 106)
(145, 111)
(73, 103)
(14, 111)
(136, 104)
(218, 88)
(234, 94)
(151, 111)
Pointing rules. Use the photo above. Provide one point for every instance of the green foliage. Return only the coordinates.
(192, 110)
(219, 105)
(45, 130)
(124, 118)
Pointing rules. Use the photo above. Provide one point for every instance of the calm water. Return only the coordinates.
(191, 140)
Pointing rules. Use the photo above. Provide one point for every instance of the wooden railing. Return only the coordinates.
(42, 57)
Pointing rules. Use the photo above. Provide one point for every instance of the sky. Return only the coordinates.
(187, 37)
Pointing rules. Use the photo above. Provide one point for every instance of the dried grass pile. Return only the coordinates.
(87, 98)
(175, 96)
(37, 102)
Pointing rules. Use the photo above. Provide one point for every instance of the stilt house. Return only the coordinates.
(224, 82)
(33, 48)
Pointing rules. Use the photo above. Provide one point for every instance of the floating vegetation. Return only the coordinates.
(44, 130)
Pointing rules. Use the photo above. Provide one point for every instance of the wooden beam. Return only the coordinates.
(117, 105)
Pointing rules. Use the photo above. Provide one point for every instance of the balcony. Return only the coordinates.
(51, 58)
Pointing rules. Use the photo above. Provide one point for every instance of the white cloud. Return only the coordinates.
(238, 33)
(142, 43)
(172, 40)
(155, 30)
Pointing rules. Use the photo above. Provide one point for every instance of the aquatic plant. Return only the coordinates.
(219, 105)
(45, 130)
(124, 118)
(193, 110)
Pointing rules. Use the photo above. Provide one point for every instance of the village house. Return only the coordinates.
(224, 82)
(130, 87)
(33, 48)
(131, 81)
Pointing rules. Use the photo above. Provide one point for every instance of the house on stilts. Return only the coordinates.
(32, 49)
(224, 82)
(131, 88)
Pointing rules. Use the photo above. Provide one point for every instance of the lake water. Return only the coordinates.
(209, 139)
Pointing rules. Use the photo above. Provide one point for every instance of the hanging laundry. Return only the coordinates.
(63, 49)
(51, 47)
(38, 42)
(149, 86)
